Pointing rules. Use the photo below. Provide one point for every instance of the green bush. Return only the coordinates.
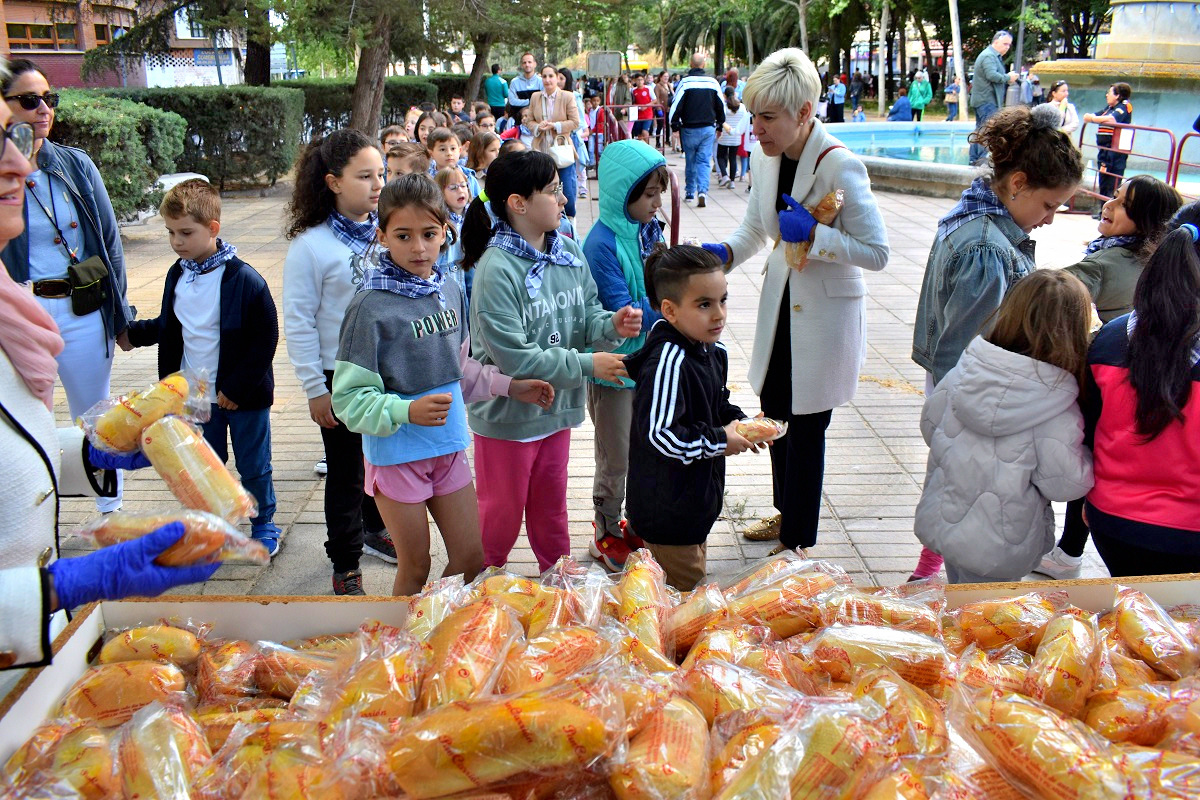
(328, 101)
(132, 144)
(449, 84)
(245, 135)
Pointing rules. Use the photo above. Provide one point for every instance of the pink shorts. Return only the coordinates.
(417, 481)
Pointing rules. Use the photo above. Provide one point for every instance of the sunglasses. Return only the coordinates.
(21, 135)
(29, 101)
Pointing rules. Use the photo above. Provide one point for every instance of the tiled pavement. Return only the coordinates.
(875, 459)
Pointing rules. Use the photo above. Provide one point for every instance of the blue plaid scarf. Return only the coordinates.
(1105, 242)
(1131, 324)
(508, 240)
(649, 235)
(358, 236)
(390, 278)
(978, 200)
(225, 251)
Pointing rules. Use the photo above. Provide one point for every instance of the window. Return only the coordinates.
(196, 30)
(29, 36)
(103, 34)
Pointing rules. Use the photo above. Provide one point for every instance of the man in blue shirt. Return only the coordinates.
(495, 89)
(522, 87)
(836, 111)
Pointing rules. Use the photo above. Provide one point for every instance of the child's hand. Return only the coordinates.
(430, 410)
(628, 322)
(321, 411)
(609, 366)
(225, 403)
(736, 443)
(123, 341)
(528, 390)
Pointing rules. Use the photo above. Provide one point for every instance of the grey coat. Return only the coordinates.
(991, 79)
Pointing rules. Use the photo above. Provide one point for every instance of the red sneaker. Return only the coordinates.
(609, 551)
(632, 540)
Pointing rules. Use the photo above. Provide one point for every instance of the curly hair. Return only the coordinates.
(312, 201)
(1020, 140)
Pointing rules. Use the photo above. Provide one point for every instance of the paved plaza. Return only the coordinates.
(875, 460)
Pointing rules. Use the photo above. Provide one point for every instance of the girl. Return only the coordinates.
(426, 123)
(731, 136)
(410, 123)
(485, 146)
(331, 222)
(1143, 415)
(453, 183)
(1005, 434)
(535, 313)
(402, 378)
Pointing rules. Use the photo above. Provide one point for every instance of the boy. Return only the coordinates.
(406, 158)
(633, 176)
(642, 96)
(457, 112)
(486, 121)
(595, 119)
(390, 136)
(444, 150)
(683, 422)
(217, 314)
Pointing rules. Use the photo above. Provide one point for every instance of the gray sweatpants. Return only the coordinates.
(611, 411)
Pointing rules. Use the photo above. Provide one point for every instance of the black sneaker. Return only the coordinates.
(379, 544)
(348, 582)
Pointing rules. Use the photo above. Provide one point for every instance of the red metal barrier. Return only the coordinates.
(616, 118)
(615, 131)
(1127, 149)
(1190, 136)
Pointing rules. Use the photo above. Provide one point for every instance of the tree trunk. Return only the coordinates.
(964, 98)
(749, 49)
(884, 50)
(367, 100)
(835, 56)
(662, 31)
(803, 9)
(902, 34)
(719, 52)
(482, 43)
(257, 69)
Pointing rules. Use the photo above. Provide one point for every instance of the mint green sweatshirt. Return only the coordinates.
(543, 337)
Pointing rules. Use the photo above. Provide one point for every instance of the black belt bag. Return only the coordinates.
(88, 292)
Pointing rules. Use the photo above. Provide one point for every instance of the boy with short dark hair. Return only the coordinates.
(683, 423)
(445, 150)
(217, 314)
(458, 112)
(407, 158)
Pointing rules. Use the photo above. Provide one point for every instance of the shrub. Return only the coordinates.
(449, 84)
(235, 134)
(132, 144)
(328, 101)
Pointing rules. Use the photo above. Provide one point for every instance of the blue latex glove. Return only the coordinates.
(717, 249)
(102, 460)
(124, 570)
(795, 223)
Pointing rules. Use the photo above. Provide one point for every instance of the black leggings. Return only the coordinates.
(797, 472)
(727, 160)
(1112, 537)
(1075, 530)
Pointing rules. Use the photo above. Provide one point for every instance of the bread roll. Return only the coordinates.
(110, 694)
(467, 651)
(118, 428)
(152, 643)
(193, 472)
(667, 760)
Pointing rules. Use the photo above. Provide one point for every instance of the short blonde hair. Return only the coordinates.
(193, 198)
(786, 78)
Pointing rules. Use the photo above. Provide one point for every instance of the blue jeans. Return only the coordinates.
(251, 435)
(697, 156)
(982, 114)
(951, 112)
(570, 187)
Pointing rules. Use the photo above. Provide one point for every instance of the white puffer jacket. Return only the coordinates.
(1005, 438)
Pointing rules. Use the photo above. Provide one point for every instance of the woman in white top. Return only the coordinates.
(730, 139)
(1059, 91)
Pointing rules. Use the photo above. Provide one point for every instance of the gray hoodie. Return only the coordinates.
(1005, 438)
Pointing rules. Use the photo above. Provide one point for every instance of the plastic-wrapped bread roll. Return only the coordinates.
(467, 652)
(152, 643)
(193, 471)
(825, 213)
(1064, 669)
(644, 603)
(206, 537)
(1153, 636)
(667, 760)
(110, 694)
(115, 425)
(761, 429)
(159, 753)
(78, 756)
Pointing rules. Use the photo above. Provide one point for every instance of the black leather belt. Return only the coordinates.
(52, 289)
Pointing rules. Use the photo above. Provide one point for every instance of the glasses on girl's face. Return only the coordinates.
(29, 101)
(21, 135)
(552, 190)
(454, 187)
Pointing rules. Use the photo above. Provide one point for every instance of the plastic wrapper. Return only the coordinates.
(847, 606)
(752, 647)
(909, 782)
(784, 598)
(825, 212)
(1153, 636)
(667, 759)
(786, 564)
(843, 650)
(242, 767)
(115, 424)
(740, 737)
(193, 472)
(74, 757)
(278, 670)
(965, 775)
(382, 684)
(206, 539)
(761, 429)
(704, 608)
(643, 603)
(913, 719)
(1010, 620)
(1066, 664)
(110, 694)
(589, 586)
(225, 673)
(470, 746)
(1004, 668)
(718, 687)
(152, 643)
(217, 725)
(159, 753)
(438, 600)
(537, 607)
(542, 661)
(1160, 774)
(634, 651)
(1134, 715)
(329, 642)
(467, 651)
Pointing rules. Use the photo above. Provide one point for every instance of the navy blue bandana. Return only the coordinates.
(508, 240)
(978, 200)
(358, 236)
(390, 278)
(649, 235)
(225, 251)
(1105, 242)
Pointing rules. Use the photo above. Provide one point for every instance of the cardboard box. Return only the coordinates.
(280, 618)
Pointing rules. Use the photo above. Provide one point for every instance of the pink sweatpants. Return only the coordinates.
(523, 479)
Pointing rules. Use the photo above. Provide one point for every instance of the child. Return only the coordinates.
(595, 121)
(217, 314)
(534, 313)
(444, 151)
(464, 134)
(458, 112)
(859, 115)
(683, 422)
(510, 146)
(453, 184)
(426, 123)
(644, 98)
(332, 227)
(633, 177)
(731, 136)
(1006, 434)
(407, 158)
(485, 121)
(520, 131)
(390, 136)
(485, 146)
(748, 143)
(402, 378)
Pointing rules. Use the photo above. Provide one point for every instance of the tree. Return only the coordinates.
(1080, 22)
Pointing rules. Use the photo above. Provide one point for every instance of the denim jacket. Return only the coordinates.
(966, 278)
(97, 222)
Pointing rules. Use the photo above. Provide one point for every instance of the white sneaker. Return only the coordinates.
(1059, 565)
(700, 200)
(321, 468)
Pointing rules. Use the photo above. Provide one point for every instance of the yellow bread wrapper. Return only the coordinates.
(1153, 636)
(704, 608)
(825, 212)
(667, 760)
(1135, 715)
(159, 753)
(76, 755)
(438, 600)
(913, 718)
(1066, 664)
(752, 647)
(747, 736)
(384, 685)
(1160, 774)
(193, 472)
(1010, 620)
(279, 670)
(225, 671)
(717, 687)
(1120, 671)
(328, 642)
(903, 784)
(787, 607)
(785, 566)
(545, 660)
(295, 774)
(206, 538)
(116, 425)
(467, 651)
(152, 643)
(843, 650)
(643, 603)
(110, 694)
(1004, 668)
(537, 607)
(761, 429)
(851, 606)
(217, 725)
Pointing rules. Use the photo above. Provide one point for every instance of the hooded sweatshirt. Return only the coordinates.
(1005, 437)
(612, 247)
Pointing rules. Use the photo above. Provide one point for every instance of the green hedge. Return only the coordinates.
(132, 144)
(449, 84)
(327, 102)
(244, 135)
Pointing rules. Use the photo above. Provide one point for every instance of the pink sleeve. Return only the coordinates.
(480, 382)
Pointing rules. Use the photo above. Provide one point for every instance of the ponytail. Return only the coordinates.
(521, 173)
(312, 201)
(476, 232)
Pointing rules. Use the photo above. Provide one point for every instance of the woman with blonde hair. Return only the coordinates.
(810, 338)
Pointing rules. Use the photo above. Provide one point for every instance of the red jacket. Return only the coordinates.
(643, 97)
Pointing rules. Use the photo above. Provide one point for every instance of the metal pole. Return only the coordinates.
(964, 101)
(1020, 59)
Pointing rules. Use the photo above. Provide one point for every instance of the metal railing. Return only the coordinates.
(1190, 136)
(615, 131)
(1127, 148)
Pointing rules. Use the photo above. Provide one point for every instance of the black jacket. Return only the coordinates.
(249, 335)
(677, 439)
(698, 102)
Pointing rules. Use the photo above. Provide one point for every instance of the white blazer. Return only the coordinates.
(828, 299)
